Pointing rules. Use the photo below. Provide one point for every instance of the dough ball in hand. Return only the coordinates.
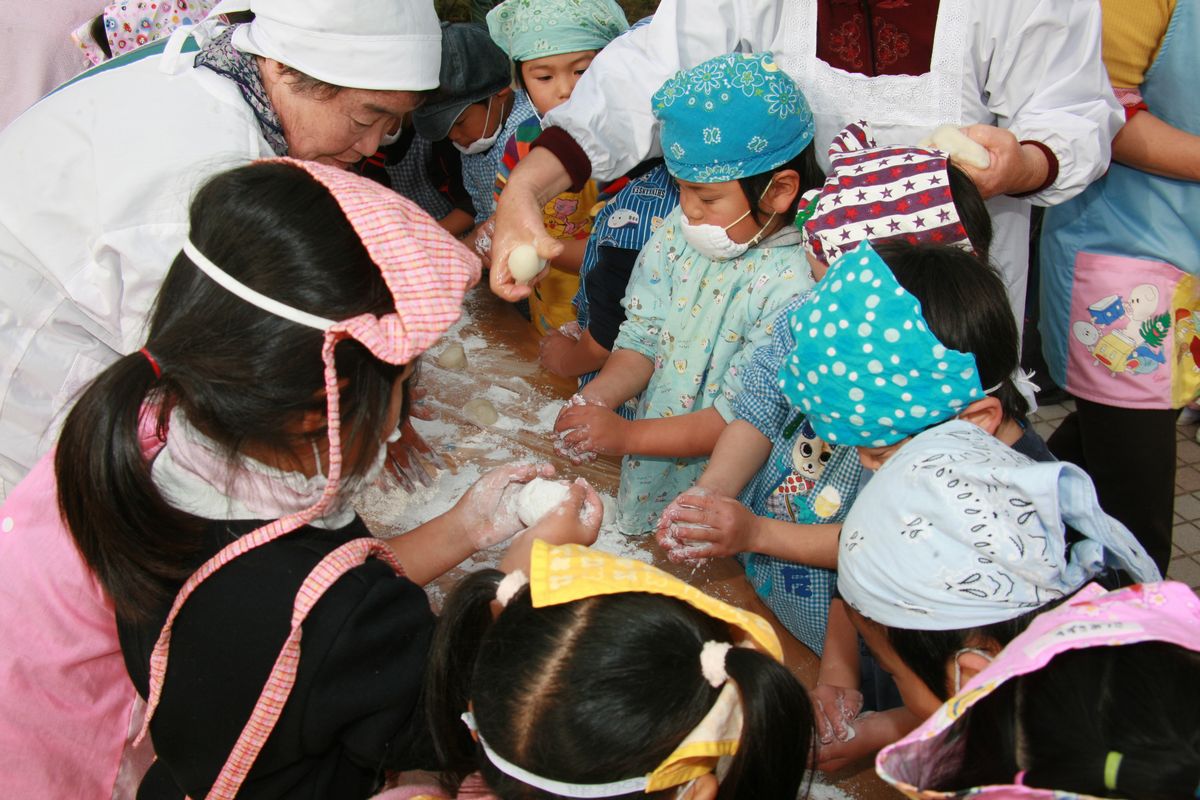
(524, 264)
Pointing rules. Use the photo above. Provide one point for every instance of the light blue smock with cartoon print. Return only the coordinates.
(699, 321)
(804, 480)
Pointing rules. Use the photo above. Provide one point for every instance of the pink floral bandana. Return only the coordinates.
(133, 23)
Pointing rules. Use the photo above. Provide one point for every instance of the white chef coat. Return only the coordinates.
(1032, 66)
(96, 183)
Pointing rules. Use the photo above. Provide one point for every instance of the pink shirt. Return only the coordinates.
(66, 701)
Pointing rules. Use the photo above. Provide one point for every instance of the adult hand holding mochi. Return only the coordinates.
(961, 148)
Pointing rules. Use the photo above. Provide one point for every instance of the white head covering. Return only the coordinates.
(391, 45)
(957, 530)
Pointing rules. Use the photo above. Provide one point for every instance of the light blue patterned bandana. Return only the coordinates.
(734, 116)
(866, 368)
(956, 531)
(529, 29)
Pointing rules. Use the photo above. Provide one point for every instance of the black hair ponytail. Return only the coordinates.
(462, 624)
(777, 729)
(99, 461)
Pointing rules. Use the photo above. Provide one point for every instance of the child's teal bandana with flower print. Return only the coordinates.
(734, 116)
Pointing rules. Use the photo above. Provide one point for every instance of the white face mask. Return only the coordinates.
(713, 242)
(481, 145)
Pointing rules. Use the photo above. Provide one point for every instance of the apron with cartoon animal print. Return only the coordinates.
(1121, 303)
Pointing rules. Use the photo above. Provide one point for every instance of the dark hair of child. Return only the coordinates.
(99, 33)
(577, 693)
(243, 377)
(811, 177)
(965, 304)
(1140, 700)
(972, 211)
(928, 653)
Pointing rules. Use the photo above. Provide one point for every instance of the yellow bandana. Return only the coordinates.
(564, 573)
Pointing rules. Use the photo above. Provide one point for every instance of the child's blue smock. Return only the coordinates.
(698, 321)
(804, 480)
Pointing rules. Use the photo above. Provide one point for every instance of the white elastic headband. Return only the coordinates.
(582, 790)
(712, 665)
(234, 286)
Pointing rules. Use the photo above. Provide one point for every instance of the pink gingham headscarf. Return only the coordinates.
(428, 272)
(1150, 612)
(130, 24)
(884, 192)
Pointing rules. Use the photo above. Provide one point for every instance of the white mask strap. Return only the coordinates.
(958, 666)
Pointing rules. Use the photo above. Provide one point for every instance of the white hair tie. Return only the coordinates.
(509, 587)
(712, 662)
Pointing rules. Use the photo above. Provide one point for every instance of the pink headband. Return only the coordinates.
(1151, 612)
(133, 23)
(877, 193)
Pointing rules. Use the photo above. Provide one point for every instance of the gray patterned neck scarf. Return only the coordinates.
(220, 56)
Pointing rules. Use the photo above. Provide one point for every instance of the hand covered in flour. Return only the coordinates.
(699, 524)
(410, 459)
(872, 731)
(592, 429)
(480, 240)
(835, 708)
(576, 520)
(1015, 168)
(487, 513)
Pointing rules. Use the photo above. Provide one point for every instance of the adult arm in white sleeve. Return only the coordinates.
(608, 114)
(1045, 82)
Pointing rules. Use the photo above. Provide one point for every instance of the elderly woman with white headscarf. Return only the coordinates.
(98, 174)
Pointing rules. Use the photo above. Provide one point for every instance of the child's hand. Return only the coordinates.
(554, 352)
(872, 732)
(407, 455)
(576, 520)
(485, 512)
(699, 524)
(420, 408)
(835, 708)
(480, 240)
(593, 429)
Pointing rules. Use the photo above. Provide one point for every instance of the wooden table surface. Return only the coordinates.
(502, 365)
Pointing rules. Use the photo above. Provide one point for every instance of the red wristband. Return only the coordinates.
(1051, 171)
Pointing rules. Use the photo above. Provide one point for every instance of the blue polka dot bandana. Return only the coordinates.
(733, 116)
(866, 368)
